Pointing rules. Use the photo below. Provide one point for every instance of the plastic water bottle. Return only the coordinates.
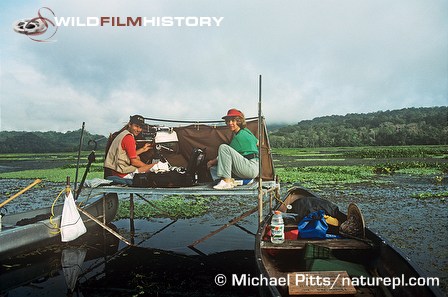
(277, 228)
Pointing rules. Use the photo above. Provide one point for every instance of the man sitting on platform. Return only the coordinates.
(122, 159)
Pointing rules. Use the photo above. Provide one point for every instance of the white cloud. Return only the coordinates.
(317, 58)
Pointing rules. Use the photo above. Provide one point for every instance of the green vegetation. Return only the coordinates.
(431, 195)
(414, 167)
(399, 152)
(52, 175)
(316, 176)
(175, 207)
(37, 156)
(317, 168)
(410, 126)
(340, 167)
(46, 142)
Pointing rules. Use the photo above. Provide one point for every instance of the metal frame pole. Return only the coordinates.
(79, 157)
(260, 135)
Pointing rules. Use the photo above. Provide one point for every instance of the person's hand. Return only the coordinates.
(211, 163)
(146, 147)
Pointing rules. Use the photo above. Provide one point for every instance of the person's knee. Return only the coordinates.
(223, 148)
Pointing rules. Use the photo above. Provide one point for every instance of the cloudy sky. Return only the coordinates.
(316, 58)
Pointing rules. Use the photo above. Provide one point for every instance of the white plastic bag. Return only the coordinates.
(72, 225)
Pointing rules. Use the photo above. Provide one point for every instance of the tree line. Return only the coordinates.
(409, 126)
(46, 142)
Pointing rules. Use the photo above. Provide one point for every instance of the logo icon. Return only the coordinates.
(40, 28)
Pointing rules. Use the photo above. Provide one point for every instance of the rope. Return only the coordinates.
(53, 224)
(191, 122)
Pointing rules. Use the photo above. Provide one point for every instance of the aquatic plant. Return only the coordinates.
(398, 152)
(313, 176)
(431, 195)
(52, 175)
(175, 207)
(386, 168)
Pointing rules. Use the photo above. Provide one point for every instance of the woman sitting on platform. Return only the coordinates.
(239, 158)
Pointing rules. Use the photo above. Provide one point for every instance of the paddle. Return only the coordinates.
(20, 193)
(288, 206)
(91, 159)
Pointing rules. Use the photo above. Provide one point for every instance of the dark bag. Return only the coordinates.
(306, 205)
(313, 225)
(176, 177)
(197, 159)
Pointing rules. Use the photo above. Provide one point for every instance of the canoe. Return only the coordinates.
(361, 265)
(29, 230)
(54, 261)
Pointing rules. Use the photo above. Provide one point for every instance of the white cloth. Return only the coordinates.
(72, 225)
(160, 167)
(131, 175)
(96, 182)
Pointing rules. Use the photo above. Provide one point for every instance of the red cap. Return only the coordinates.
(233, 113)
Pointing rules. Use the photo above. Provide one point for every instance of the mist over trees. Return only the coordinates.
(410, 126)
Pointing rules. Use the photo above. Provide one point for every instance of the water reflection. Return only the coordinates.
(163, 273)
(54, 270)
(72, 260)
(160, 263)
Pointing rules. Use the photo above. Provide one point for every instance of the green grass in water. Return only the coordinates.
(431, 195)
(326, 174)
(52, 175)
(175, 207)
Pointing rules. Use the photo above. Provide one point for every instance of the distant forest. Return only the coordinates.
(410, 126)
(46, 142)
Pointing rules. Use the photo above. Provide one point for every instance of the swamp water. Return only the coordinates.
(162, 264)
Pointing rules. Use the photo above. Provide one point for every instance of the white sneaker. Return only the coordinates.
(222, 185)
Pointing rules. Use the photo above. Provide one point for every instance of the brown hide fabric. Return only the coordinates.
(209, 137)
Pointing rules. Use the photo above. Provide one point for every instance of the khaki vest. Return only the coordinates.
(116, 158)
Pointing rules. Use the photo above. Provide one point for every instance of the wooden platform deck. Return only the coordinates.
(205, 189)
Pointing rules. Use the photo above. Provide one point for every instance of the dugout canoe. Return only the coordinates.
(317, 267)
(54, 260)
(29, 230)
